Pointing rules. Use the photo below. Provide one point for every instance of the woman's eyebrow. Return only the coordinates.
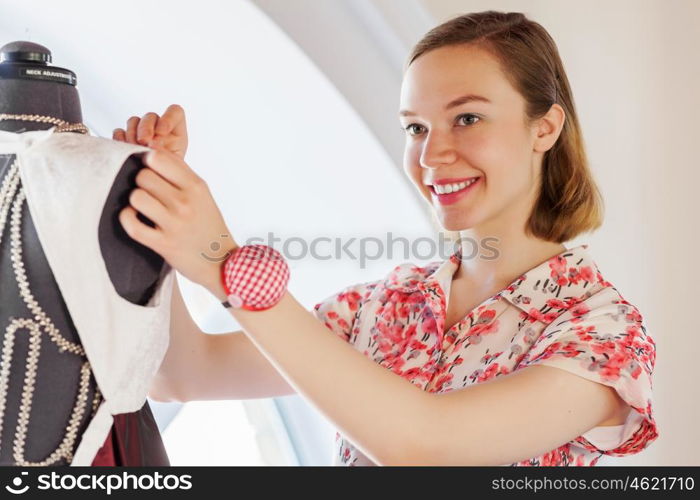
(453, 104)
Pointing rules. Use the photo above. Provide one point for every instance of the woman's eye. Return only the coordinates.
(465, 119)
(410, 128)
(467, 115)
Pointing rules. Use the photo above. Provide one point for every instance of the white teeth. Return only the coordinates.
(451, 188)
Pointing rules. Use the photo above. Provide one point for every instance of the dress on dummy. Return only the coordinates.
(84, 309)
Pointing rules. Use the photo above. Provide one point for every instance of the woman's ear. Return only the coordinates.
(548, 128)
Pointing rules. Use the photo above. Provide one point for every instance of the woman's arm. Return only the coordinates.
(200, 366)
(511, 418)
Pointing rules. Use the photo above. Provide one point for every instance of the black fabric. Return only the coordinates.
(58, 374)
(133, 268)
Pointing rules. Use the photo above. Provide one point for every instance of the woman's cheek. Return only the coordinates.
(411, 165)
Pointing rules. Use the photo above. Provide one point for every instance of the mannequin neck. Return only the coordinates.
(35, 97)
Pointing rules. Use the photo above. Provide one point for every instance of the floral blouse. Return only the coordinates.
(561, 313)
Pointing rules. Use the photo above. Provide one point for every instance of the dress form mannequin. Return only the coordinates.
(133, 269)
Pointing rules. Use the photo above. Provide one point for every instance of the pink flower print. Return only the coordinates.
(604, 348)
(583, 332)
(388, 314)
(428, 325)
(450, 337)
(586, 273)
(489, 372)
(394, 363)
(442, 381)
(352, 298)
(395, 297)
(610, 370)
(487, 358)
(572, 301)
(410, 332)
(395, 333)
(385, 346)
(601, 280)
(549, 351)
(403, 311)
(549, 317)
(633, 316)
(558, 266)
(483, 329)
(635, 369)
(486, 316)
(579, 311)
(533, 315)
(573, 276)
(415, 298)
(411, 372)
(557, 304)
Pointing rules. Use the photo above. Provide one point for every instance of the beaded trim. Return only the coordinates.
(12, 194)
(61, 125)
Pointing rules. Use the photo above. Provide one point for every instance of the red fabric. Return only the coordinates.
(105, 456)
(133, 440)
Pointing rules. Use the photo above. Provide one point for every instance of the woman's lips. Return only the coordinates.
(449, 199)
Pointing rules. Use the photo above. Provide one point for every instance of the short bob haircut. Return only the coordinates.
(569, 202)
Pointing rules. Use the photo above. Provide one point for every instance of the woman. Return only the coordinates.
(493, 144)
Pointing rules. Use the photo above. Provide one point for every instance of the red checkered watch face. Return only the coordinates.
(255, 277)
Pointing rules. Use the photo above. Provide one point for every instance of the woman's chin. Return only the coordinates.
(456, 223)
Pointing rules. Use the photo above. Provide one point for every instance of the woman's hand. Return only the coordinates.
(190, 232)
(168, 131)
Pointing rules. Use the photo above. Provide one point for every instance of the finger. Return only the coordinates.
(158, 187)
(171, 168)
(146, 128)
(138, 231)
(119, 134)
(172, 122)
(131, 125)
(149, 206)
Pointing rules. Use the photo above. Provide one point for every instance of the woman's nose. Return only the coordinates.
(438, 149)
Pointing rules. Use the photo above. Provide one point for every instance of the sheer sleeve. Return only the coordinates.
(340, 310)
(606, 341)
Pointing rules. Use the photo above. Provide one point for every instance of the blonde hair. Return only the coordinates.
(569, 201)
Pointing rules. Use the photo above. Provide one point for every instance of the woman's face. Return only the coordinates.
(451, 138)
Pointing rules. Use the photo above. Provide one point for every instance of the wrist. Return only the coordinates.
(215, 283)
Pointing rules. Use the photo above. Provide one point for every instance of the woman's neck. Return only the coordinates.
(501, 258)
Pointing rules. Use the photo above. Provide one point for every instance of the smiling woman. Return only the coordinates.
(531, 346)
